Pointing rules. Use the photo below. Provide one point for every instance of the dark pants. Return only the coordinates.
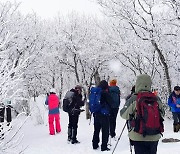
(101, 122)
(112, 121)
(145, 147)
(8, 114)
(72, 126)
(176, 117)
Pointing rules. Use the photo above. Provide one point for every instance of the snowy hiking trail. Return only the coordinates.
(38, 140)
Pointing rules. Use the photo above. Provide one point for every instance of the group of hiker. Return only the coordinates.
(143, 112)
(104, 120)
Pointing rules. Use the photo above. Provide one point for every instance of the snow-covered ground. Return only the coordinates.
(38, 141)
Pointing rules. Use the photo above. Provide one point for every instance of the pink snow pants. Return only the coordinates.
(55, 117)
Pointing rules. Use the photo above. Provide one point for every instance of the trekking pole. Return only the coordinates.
(119, 138)
(128, 128)
(130, 146)
(90, 119)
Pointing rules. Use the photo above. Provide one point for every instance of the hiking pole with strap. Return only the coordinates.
(119, 137)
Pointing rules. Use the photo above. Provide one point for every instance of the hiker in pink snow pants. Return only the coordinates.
(53, 104)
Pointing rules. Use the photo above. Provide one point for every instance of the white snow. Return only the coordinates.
(38, 141)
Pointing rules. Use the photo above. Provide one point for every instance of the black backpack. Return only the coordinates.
(67, 101)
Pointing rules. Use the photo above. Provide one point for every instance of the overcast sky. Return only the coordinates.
(50, 8)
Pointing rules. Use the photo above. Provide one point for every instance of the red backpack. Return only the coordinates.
(148, 120)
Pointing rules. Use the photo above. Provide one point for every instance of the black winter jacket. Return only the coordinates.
(76, 104)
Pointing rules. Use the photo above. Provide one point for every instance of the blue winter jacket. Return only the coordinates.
(173, 100)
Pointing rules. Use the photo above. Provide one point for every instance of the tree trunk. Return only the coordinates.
(88, 114)
(53, 82)
(76, 68)
(61, 87)
(97, 78)
(165, 66)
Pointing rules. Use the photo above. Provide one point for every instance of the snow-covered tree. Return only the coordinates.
(149, 22)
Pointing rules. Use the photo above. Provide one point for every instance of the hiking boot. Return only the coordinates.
(58, 131)
(74, 134)
(106, 149)
(95, 147)
(75, 142)
(178, 127)
(69, 139)
(51, 133)
(175, 128)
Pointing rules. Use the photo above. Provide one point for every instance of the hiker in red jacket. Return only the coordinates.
(53, 104)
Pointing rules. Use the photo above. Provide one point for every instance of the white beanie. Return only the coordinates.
(52, 90)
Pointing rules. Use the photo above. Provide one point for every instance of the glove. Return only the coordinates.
(75, 111)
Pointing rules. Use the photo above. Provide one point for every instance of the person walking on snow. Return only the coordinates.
(115, 96)
(74, 112)
(143, 143)
(174, 103)
(101, 118)
(53, 105)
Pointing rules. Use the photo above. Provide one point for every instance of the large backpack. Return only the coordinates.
(115, 96)
(95, 101)
(148, 119)
(67, 101)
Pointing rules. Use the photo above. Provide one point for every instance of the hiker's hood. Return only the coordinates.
(143, 83)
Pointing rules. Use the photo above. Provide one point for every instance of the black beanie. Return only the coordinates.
(176, 88)
(103, 84)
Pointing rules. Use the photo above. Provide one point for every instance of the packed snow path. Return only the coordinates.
(38, 141)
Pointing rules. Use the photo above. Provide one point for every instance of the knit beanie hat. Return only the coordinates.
(103, 84)
(78, 87)
(52, 90)
(113, 82)
(176, 88)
